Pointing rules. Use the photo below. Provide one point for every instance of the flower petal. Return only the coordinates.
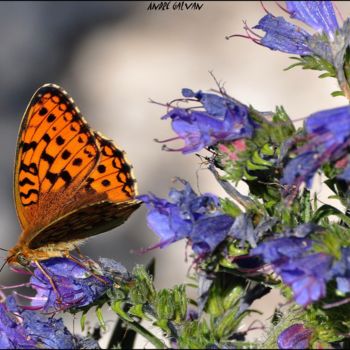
(319, 15)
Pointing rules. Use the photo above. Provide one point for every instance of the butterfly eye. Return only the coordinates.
(22, 260)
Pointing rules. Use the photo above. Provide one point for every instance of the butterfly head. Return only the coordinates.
(17, 257)
(22, 260)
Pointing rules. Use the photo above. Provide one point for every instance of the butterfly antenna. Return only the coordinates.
(3, 249)
(3, 265)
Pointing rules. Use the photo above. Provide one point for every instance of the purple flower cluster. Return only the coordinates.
(287, 37)
(222, 120)
(188, 215)
(328, 139)
(304, 270)
(26, 329)
(74, 285)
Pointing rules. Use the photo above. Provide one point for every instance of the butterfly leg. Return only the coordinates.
(81, 255)
(49, 278)
(87, 268)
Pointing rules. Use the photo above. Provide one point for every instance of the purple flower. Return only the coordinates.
(307, 276)
(188, 215)
(304, 271)
(284, 36)
(12, 334)
(295, 337)
(244, 230)
(209, 231)
(328, 137)
(75, 284)
(223, 119)
(341, 271)
(282, 249)
(113, 269)
(26, 329)
(319, 15)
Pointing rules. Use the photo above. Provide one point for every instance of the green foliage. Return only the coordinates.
(143, 290)
(171, 304)
(314, 63)
(258, 165)
(346, 65)
(229, 207)
(196, 335)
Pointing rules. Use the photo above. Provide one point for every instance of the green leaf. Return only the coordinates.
(257, 160)
(83, 320)
(164, 305)
(267, 150)
(144, 290)
(195, 335)
(314, 63)
(327, 210)
(180, 301)
(122, 337)
(117, 307)
(228, 324)
(163, 324)
(137, 310)
(100, 318)
(325, 75)
(337, 93)
(229, 207)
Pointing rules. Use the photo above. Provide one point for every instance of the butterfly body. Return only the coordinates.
(70, 182)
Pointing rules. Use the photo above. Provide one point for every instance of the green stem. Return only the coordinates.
(145, 333)
(245, 201)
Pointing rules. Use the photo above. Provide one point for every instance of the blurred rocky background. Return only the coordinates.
(112, 57)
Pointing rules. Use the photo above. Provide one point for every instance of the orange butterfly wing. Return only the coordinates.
(113, 174)
(63, 170)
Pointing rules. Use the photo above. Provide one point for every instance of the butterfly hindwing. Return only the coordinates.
(83, 223)
(113, 174)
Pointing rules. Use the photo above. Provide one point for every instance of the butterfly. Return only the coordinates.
(70, 182)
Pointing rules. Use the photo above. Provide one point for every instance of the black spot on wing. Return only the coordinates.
(31, 168)
(65, 154)
(47, 157)
(51, 118)
(77, 161)
(60, 140)
(43, 111)
(66, 177)
(46, 138)
(27, 146)
(52, 177)
(105, 183)
(27, 195)
(101, 169)
(26, 181)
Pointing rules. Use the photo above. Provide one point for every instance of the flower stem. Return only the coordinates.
(145, 333)
(346, 90)
(245, 201)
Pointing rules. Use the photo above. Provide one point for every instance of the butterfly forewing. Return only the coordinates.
(70, 182)
(56, 152)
